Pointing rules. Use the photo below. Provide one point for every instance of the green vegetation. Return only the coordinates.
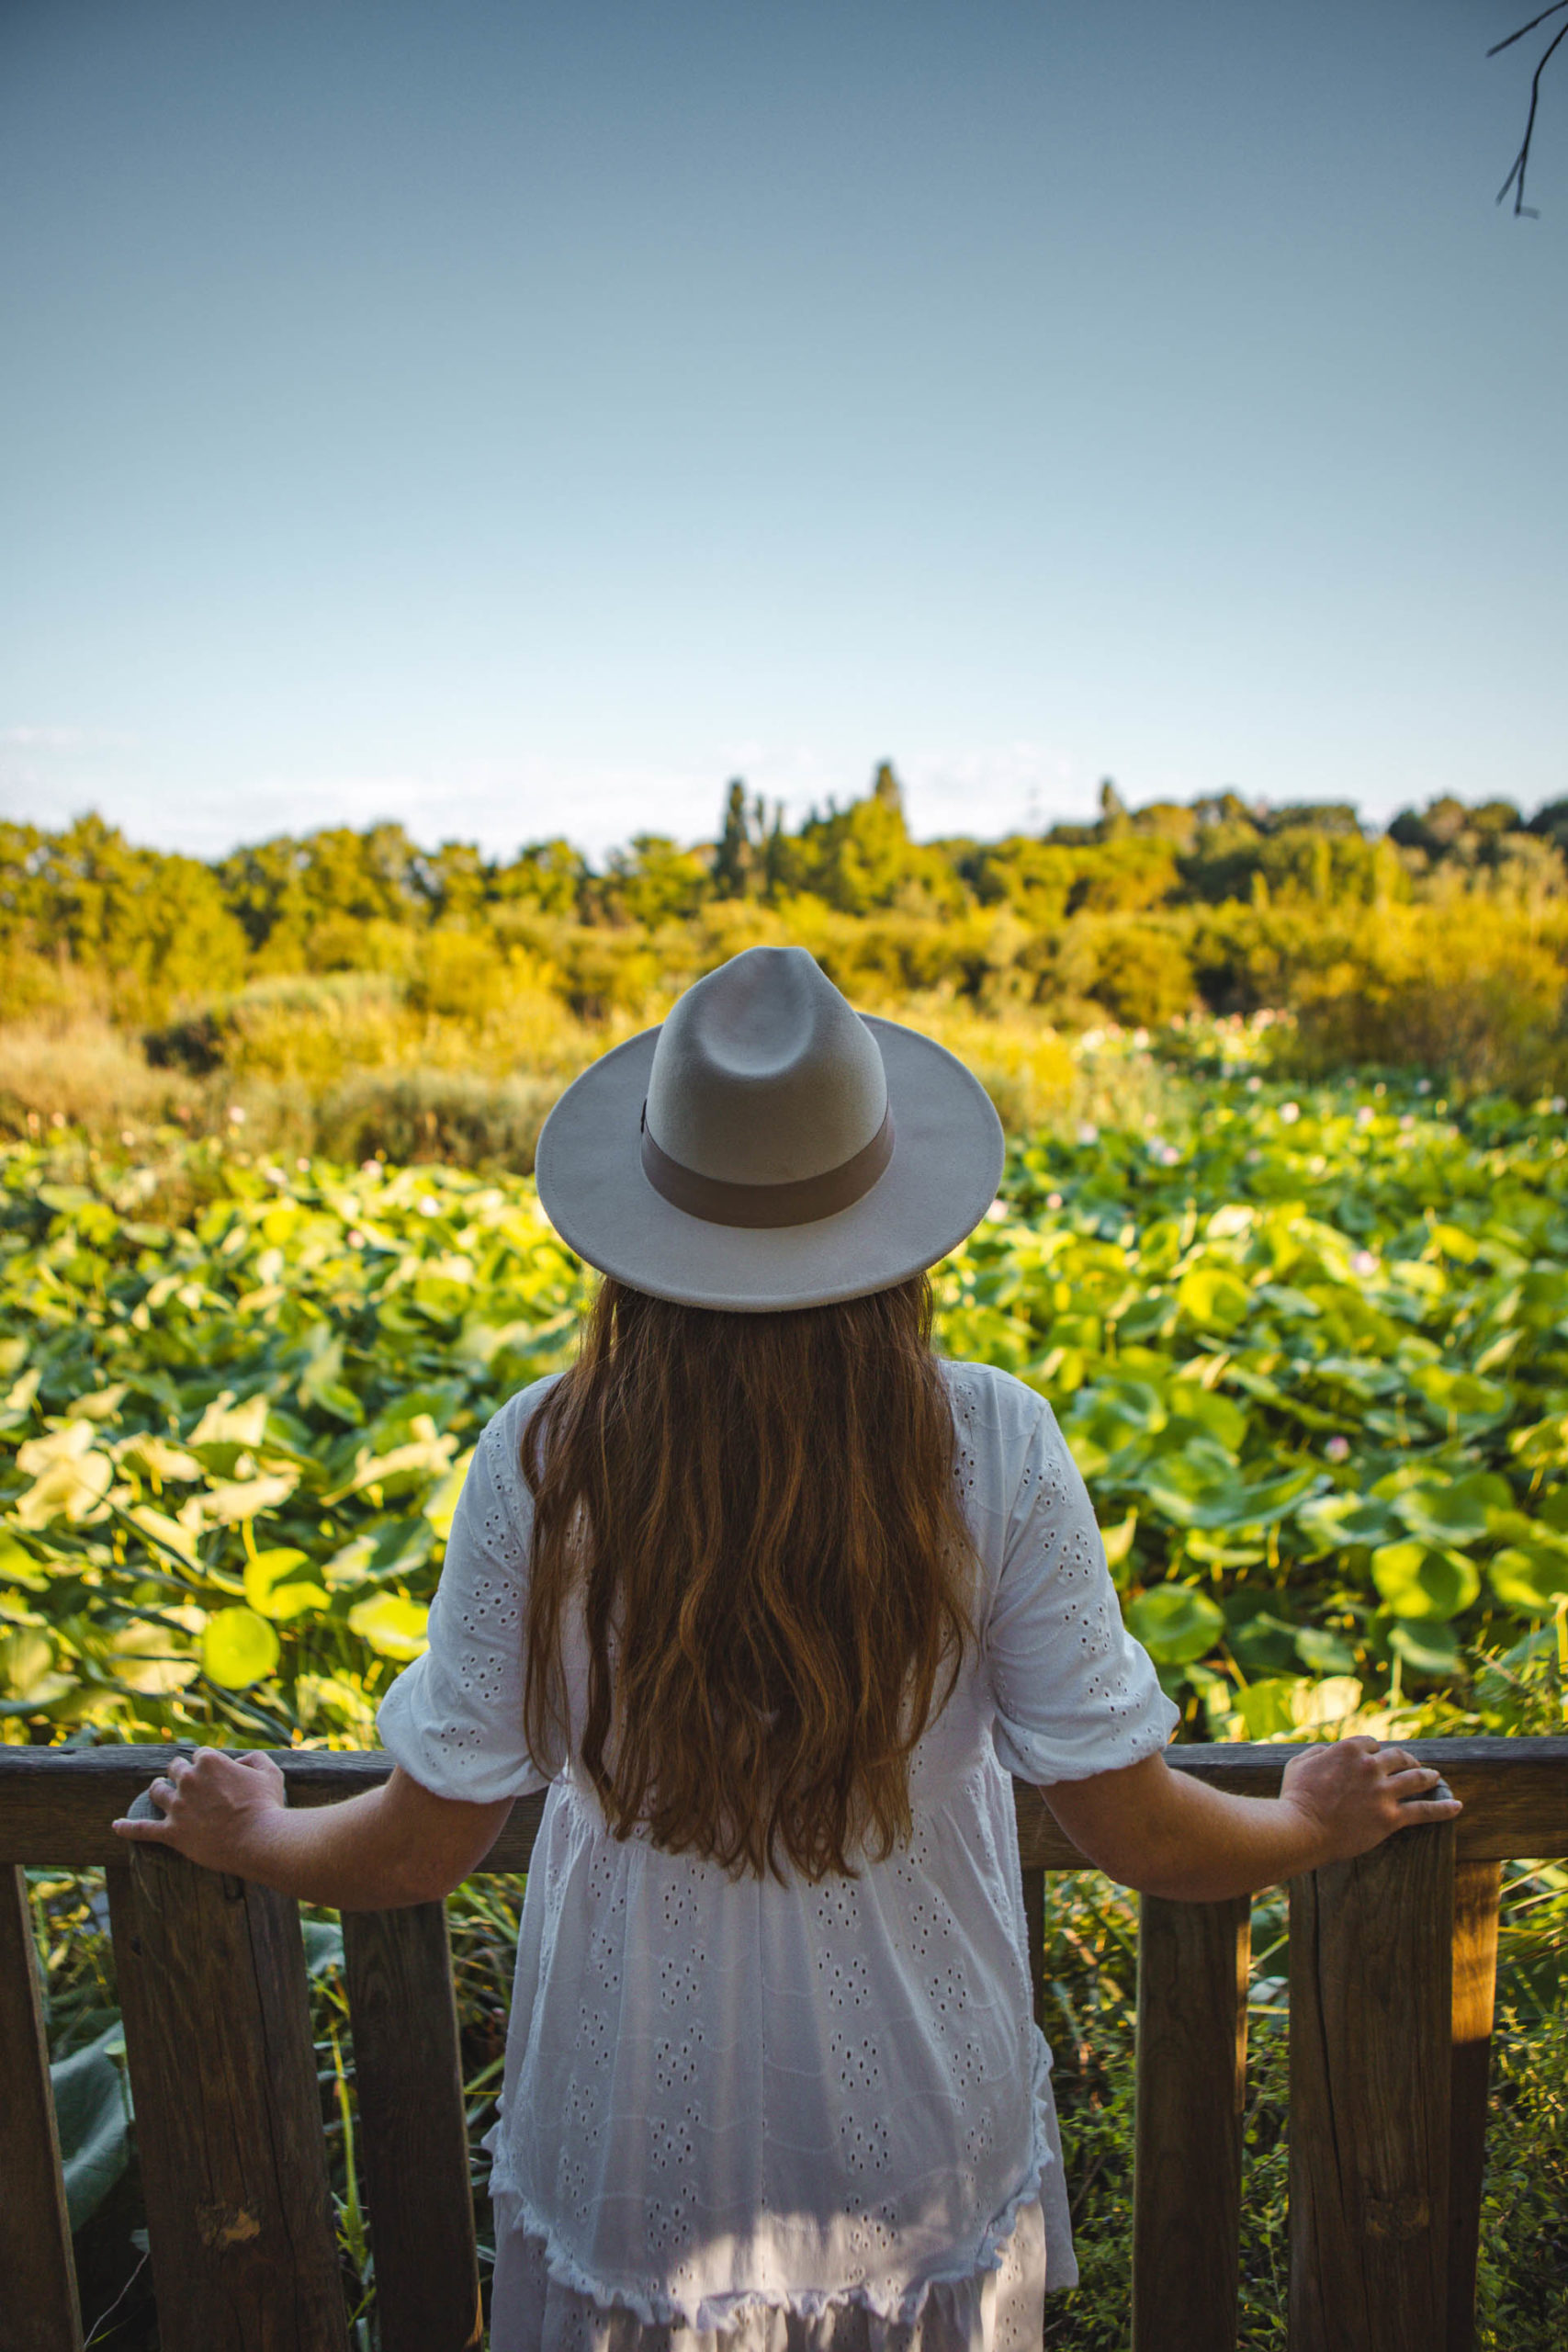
(351, 992)
(1309, 1343)
(1309, 1350)
(269, 1257)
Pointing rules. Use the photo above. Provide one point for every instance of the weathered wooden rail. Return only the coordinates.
(1393, 1962)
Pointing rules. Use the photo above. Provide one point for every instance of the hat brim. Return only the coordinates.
(947, 1161)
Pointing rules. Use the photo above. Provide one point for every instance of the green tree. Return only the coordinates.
(861, 859)
(654, 881)
(549, 877)
(739, 860)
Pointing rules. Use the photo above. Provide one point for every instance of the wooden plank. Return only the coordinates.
(1371, 1976)
(412, 2129)
(1477, 1891)
(56, 1805)
(1192, 1971)
(1515, 1792)
(228, 2113)
(39, 2311)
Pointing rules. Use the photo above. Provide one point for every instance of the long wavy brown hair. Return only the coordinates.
(759, 1515)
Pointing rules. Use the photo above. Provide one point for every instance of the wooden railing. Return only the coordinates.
(1393, 1963)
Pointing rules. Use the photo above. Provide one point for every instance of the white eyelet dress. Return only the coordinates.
(745, 2117)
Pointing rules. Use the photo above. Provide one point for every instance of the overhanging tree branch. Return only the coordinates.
(1515, 179)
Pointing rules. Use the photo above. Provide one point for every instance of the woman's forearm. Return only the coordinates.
(339, 1855)
(1170, 1835)
(395, 1844)
(1208, 1847)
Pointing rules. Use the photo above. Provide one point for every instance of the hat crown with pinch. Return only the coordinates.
(764, 1074)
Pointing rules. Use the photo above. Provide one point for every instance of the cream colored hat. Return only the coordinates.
(768, 1146)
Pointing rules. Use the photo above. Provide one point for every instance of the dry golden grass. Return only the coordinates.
(348, 1066)
(79, 1072)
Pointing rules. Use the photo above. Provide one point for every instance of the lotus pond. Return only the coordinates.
(1309, 1349)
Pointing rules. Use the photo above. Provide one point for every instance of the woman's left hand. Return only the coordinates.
(217, 1806)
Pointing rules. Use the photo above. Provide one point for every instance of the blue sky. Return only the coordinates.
(518, 419)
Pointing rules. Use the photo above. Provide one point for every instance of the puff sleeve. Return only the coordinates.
(1075, 1694)
(454, 1719)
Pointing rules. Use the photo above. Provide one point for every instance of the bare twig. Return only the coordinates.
(1515, 179)
(1555, 10)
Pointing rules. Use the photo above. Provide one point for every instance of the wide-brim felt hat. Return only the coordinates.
(767, 1147)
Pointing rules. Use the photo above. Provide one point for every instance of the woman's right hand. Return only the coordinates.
(1356, 1794)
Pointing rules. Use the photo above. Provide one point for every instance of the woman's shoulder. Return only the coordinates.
(505, 1426)
(984, 1397)
(498, 1451)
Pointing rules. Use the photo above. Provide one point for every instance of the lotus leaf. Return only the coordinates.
(226, 1423)
(92, 2113)
(1266, 1709)
(26, 1657)
(1209, 1492)
(1223, 1419)
(150, 1659)
(1175, 1622)
(1449, 1513)
(1261, 1641)
(66, 1443)
(1460, 1396)
(72, 1487)
(1531, 1577)
(1419, 1579)
(1118, 1540)
(274, 1591)
(155, 1458)
(1332, 1521)
(1114, 1408)
(391, 1624)
(1426, 1649)
(1214, 1299)
(18, 1565)
(100, 1404)
(226, 1506)
(168, 1534)
(1543, 1445)
(238, 1648)
(1323, 1651)
(1320, 1706)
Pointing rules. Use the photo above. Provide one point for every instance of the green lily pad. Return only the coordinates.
(1531, 1577)
(1325, 1651)
(1453, 1513)
(92, 2116)
(1174, 1623)
(238, 1648)
(273, 1589)
(1418, 1580)
(1336, 1521)
(1266, 1708)
(393, 1626)
(1426, 1649)
(1214, 1299)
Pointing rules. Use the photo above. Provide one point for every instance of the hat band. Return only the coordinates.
(799, 1203)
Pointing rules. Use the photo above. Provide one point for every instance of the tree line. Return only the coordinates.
(1441, 938)
(341, 898)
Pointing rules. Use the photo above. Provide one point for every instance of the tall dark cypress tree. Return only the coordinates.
(735, 857)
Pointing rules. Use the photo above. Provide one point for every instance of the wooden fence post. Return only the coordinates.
(413, 2128)
(39, 2311)
(216, 2005)
(1478, 1888)
(1191, 2079)
(1371, 1956)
